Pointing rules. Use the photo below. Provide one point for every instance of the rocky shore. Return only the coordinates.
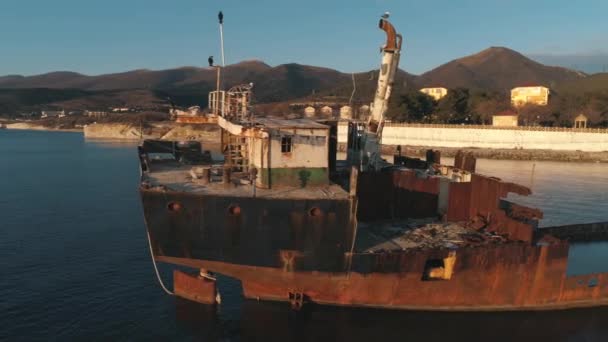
(156, 130)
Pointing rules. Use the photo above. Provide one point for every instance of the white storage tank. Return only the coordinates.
(346, 112)
(327, 111)
(363, 112)
(310, 112)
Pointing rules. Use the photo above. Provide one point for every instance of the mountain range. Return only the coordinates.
(496, 69)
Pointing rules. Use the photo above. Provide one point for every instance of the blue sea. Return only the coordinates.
(75, 265)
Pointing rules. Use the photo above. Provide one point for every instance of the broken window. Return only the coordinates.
(439, 269)
(286, 144)
(434, 269)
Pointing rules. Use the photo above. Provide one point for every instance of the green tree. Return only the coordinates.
(454, 107)
(412, 106)
(483, 105)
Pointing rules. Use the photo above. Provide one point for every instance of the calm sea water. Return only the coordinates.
(74, 263)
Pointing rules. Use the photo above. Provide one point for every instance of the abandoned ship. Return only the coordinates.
(281, 214)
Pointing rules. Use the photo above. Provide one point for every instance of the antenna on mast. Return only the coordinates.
(220, 16)
(217, 97)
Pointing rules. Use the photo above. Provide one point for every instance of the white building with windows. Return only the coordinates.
(535, 95)
(437, 93)
(284, 152)
(52, 114)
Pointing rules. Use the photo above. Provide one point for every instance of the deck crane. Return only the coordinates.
(370, 138)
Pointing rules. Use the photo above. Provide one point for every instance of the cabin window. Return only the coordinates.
(286, 145)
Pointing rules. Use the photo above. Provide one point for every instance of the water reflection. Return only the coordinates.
(567, 192)
(276, 322)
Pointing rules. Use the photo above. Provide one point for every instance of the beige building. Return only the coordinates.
(581, 121)
(507, 118)
(52, 113)
(96, 114)
(537, 95)
(436, 93)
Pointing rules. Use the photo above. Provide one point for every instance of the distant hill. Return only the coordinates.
(591, 83)
(589, 63)
(135, 79)
(289, 81)
(498, 69)
(15, 100)
(186, 86)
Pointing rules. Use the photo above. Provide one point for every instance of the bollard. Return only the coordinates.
(205, 175)
(226, 176)
(253, 175)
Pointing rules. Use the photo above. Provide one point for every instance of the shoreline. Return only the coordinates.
(207, 134)
(44, 129)
(29, 127)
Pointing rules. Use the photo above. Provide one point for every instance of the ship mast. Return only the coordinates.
(217, 98)
(220, 16)
(391, 52)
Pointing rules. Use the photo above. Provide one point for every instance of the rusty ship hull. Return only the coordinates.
(532, 279)
(281, 214)
(280, 251)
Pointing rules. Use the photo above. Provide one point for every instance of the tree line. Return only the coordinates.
(476, 107)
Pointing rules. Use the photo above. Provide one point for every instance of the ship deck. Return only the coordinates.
(426, 233)
(175, 176)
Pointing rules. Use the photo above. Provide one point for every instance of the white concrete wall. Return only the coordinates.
(505, 120)
(342, 132)
(309, 148)
(529, 138)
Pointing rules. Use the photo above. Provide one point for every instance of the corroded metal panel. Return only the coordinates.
(407, 179)
(396, 194)
(480, 201)
(249, 230)
(459, 202)
(514, 276)
(195, 288)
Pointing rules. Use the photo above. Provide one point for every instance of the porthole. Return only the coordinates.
(174, 206)
(234, 210)
(315, 212)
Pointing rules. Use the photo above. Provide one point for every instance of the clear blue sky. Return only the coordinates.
(101, 36)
